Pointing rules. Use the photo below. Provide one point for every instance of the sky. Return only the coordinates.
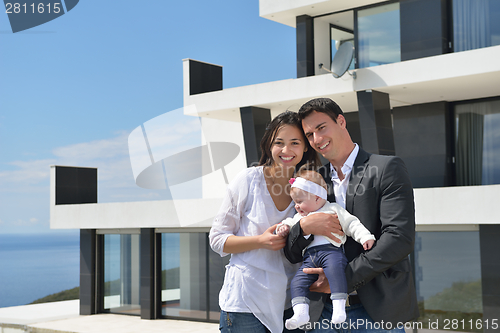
(74, 88)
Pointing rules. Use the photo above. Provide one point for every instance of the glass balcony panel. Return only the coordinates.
(448, 280)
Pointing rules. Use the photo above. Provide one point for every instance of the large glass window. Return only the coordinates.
(448, 279)
(192, 276)
(478, 143)
(378, 35)
(341, 31)
(475, 24)
(122, 274)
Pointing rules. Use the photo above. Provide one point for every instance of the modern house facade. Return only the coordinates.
(426, 88)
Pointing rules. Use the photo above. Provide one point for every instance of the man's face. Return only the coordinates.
(325, 135)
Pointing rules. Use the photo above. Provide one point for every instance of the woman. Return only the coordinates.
(254, 293)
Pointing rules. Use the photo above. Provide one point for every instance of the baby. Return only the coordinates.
(309, 194)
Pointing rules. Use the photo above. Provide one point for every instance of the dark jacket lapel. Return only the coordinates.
(357, 173)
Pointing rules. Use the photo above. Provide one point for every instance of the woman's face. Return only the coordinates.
(288, 147)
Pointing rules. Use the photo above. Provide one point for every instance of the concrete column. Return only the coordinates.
(150, 277)
(375, 122)
(422, 138)
(254, 121)
(88, 272)
(489, 234)
(305, 46)
(74, 185)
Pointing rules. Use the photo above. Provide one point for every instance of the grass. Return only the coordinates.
(170, 280)
(461, 303)
(64, 295)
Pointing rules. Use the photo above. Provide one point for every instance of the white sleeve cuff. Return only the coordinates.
(365, 238)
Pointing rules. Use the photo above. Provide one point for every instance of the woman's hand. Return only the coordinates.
(321, 284)
(322, 224)
(269, 241)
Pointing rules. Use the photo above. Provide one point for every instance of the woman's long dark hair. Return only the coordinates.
(310, 157)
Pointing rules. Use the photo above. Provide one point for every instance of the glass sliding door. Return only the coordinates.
(341, 31)
(122, 274)
(170, 273)
(475, 24)
(192, 276)
(477, 143)
(379, 40)
(448, 280)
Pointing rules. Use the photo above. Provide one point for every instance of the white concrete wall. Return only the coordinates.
(144, 214)
(457, 205)
(448, 206)
(322, 45)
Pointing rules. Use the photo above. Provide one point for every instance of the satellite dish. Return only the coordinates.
(341, 61)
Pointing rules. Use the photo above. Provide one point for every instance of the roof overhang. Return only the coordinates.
(285, 11)
(450, 77)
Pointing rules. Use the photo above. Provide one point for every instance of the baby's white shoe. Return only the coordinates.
(300, 316)
(338, 312)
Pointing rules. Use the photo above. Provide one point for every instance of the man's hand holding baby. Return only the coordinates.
(324, 224)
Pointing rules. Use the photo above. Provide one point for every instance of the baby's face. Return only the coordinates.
(305, 202)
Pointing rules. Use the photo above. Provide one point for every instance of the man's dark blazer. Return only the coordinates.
(380, 194)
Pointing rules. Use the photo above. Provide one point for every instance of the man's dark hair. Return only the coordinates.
(324, 105)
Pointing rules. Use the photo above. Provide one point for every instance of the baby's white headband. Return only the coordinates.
(308, 186)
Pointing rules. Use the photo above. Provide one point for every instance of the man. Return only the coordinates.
(377, 190)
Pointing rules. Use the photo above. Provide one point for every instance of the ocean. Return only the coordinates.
(36, 265)
(33, 266)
